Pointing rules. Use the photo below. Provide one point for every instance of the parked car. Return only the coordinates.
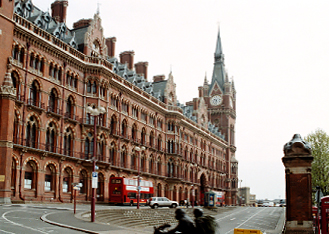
(155, 202)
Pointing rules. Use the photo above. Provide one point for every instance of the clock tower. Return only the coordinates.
(222, 110)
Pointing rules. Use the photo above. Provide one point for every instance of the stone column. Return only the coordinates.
(7, 104)
(297, 161)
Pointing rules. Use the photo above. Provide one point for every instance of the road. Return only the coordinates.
(266, 219)
(24, 219)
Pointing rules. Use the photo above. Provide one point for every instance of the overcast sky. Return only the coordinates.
(276, 52)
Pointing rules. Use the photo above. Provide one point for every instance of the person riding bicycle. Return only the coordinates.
(185, 224)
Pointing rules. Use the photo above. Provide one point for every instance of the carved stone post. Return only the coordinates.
(297, 161)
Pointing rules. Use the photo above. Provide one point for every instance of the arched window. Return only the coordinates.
(124, 128)
(16, 84)
(94, 88)
(89, 86)
(159, 190)
(15, 129)
(112, 159)
(34, 94)
(67, 180)
(30, 177)
(143, 135)
(68, 142)
(123, 158)
(50, 176)
(101, 148)
(113, 125)
(159, 166)
(53, 101)
(31, 132)
(51, 137)
(89, 146)
(170, 168)
(142, 164)
(133, 164)
(83, 179)
(134, 132)
(152, 139)
(70, 107)
(51, 70)
(159, 143)
(15, 52)
(151, 165)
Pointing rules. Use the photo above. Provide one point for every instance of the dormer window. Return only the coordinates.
(95, 49)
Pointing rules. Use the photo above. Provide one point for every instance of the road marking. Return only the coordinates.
(6, 231)
(18, 224)
(244, 221)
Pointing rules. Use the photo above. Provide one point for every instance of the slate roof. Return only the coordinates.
(27, 10)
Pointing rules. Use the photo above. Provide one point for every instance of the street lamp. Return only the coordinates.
(193, 194)
(240, 193)
(94, 112)
(138, 172)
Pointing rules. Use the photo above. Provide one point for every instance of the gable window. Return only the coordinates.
(144, 117)
(31, 132)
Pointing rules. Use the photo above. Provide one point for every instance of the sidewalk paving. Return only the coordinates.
(64, 216)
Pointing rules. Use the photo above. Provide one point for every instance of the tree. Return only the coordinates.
(319, 141)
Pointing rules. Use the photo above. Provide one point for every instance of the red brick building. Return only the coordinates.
(50, 74)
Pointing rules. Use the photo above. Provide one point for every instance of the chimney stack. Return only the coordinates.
(141, 68)
(110, 43)
(58, 10)
(82, 23)
(127, 57)
(158, 78)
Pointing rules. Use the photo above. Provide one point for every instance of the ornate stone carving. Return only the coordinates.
(297, 146)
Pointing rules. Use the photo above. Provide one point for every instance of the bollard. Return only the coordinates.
(297, 161)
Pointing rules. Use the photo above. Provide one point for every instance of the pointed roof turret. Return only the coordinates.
(219, 73)
(219, 51)
(205, 80)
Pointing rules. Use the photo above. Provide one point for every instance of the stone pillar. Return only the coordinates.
(7, 104)
(297, 161)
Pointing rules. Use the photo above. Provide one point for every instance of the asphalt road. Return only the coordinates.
(26, 219)
(23, 219)
(266, 219)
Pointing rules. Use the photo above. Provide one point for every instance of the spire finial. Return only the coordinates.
(205, 80)
(98, 4)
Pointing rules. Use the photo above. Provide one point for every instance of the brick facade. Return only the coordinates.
(48, 145)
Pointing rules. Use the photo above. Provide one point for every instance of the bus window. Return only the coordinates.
(131, 195)
(116, 192)
(116, 181)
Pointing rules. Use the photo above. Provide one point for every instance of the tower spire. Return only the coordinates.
(219, 73)
(219, 51)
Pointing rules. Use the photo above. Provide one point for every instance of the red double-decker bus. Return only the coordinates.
(124, 191)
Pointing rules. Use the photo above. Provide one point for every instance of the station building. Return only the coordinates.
(50, 75)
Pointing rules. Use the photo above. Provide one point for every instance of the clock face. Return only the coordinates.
(216, 100)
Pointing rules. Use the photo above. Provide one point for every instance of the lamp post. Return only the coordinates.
(240, 195)
(94, 112)
(138, 173)
(193, 194)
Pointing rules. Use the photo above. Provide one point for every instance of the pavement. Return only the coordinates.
(62, 214)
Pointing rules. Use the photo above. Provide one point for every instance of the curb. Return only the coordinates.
(44, 218)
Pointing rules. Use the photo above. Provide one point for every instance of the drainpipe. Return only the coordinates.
(20, 177)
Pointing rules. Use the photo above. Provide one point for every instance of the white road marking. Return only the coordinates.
(244, 222)
(18, 224)
(6, 231)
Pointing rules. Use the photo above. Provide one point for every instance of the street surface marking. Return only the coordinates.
(18, 224)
